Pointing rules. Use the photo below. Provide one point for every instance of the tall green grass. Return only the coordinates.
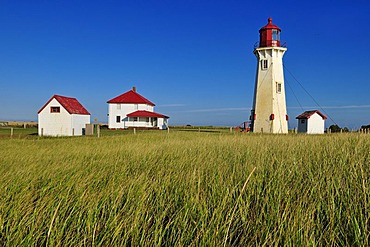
(185, 189)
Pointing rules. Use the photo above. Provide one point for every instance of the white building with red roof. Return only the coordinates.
(311, 122)
(131, 110)
(62, 116)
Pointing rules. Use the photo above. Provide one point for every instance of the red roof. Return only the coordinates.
(308, 114)
(146, 114)
(270, 26)
(71, 105)
(131, 97)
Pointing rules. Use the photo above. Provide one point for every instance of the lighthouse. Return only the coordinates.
(269, 114)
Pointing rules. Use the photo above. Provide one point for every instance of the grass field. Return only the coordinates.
(185, 188)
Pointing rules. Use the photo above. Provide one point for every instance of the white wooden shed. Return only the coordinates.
(311, 122)
(62, 116)
(131, 110)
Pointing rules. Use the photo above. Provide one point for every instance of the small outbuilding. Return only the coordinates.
(311, 122)
(62, 116)
(131, 110)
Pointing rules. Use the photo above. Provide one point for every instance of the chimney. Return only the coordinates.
(134, 89)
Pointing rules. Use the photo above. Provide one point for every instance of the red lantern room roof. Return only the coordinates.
(270, 26)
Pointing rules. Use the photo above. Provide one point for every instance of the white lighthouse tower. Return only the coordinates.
(269, 113)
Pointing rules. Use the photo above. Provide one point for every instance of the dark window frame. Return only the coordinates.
(279, 87)
(264, 64)
(55, 109)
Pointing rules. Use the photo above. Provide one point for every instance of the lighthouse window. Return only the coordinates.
(275, 34)
(264, 64)
(278, 87)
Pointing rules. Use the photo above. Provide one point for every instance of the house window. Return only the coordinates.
(136, 106)
(278, 87)
(55, 109)
(303, 121)
(118, 119)
(118, 106)
(264, 64)
(136, 119)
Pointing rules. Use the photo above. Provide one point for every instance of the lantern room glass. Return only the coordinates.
(275, 34)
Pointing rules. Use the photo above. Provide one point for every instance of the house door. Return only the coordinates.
(155, 122)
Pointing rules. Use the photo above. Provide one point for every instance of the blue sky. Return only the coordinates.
(193, 59)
